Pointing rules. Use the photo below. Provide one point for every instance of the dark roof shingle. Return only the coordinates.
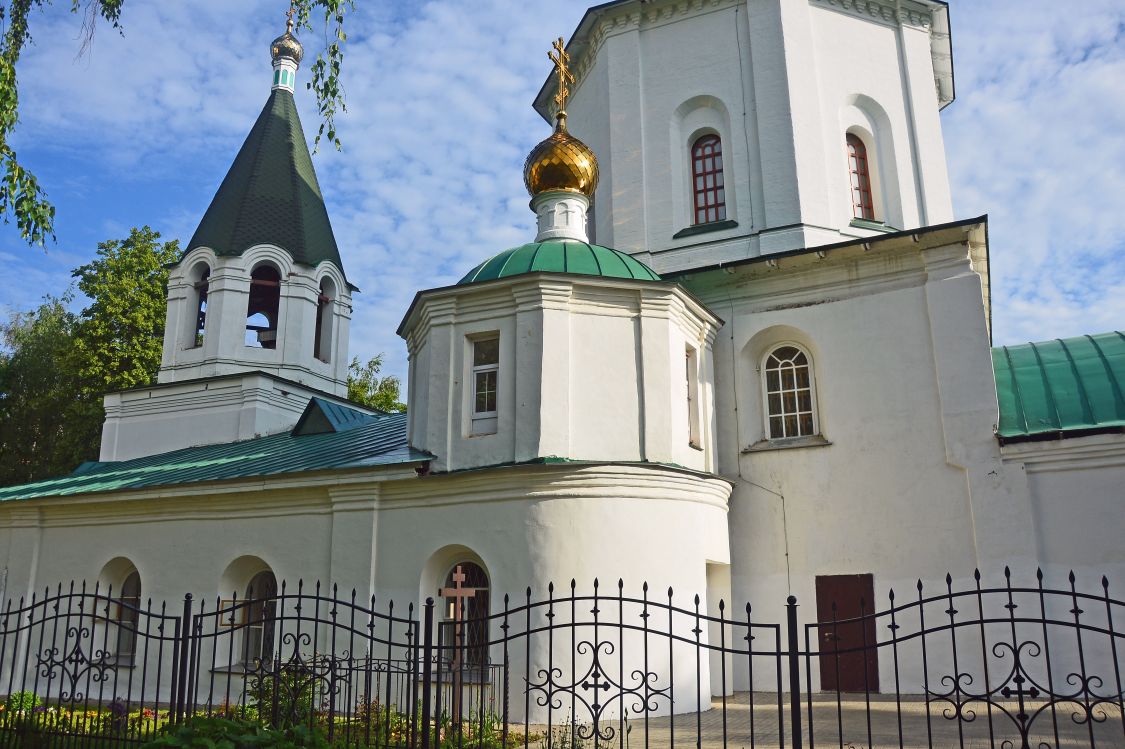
(271, 195)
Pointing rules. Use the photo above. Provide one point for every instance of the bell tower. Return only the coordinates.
(258, 305)
(261, 286)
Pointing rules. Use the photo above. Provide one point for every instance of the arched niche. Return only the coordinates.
(325, 319)
(263, 306)
(865, 118)
(120, 581)
(249, 592)
(694, 118)
(198, 278)
(749, 388)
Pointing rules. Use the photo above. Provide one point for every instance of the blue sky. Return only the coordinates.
(142, 128)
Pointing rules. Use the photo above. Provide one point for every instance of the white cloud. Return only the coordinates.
(439, 123)
(1036, 139)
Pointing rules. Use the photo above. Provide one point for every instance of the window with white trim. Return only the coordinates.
(789, 393)
(484, 378)
(692, 362)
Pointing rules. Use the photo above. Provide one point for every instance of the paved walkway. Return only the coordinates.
(759, 728)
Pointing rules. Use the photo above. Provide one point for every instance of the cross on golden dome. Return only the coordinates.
(561, 163)
(562, 66)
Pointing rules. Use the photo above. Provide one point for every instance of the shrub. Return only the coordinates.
(287, 698)
(238, 734)
(22, 702)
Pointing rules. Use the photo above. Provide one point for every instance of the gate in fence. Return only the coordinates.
(997, 666)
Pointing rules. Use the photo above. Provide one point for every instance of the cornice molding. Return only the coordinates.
(904, 13)
(635, 17)
(533, 483)
(1071, 454)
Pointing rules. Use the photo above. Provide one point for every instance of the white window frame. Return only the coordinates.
(483, 422)
(691, 356)
(765, 391)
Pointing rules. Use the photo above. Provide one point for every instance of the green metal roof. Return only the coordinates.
(323, 415)
(560, 256)
(270, 195)
(1061, 386)
(360, 442)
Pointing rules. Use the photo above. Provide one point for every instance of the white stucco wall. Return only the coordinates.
(590, 369)
(781, 82)
(906, 405)
(157, 419)
(1077, 492)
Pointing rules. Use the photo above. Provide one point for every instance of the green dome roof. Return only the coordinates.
(560, 256)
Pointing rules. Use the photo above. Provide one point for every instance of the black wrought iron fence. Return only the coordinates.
(999, 665)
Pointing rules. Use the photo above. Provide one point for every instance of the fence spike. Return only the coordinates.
(948, 579)
(620, 584)
(1072, 577)
(669, 592)
(550, 588)
(722, 606)
(1039, 573)
(644, 587)
(892, 595)
(1105, 583)
(505, 600)
(1008, 573)
(976, 574)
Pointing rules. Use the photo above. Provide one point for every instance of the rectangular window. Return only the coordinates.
(484, 379)
(693, 396)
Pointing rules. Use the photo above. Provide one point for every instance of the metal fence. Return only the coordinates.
(968, 665)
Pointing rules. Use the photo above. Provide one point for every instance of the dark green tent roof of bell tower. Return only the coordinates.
(270, 195)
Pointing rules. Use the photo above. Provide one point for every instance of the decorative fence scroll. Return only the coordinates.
(1003, 665)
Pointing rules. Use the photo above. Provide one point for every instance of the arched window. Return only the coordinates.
(261, 608)
(707, 180)
(201, 279)
(863, 205)
(464, 623)
(322, 337)
(262, 309)
(128, 617)
(789, 391)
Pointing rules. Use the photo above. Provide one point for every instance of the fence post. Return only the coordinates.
(427, 671)
(794, 673)
(180, 680)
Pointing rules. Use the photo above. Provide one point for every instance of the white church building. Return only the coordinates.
(747, 355)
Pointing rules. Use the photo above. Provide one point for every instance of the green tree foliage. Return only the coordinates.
(21, 196)
(367, 388)
(48, 424)
(120, 334)
(57, 365)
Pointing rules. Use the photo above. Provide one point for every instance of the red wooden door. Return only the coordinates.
(842, 652)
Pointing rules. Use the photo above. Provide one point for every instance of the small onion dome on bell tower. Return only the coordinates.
(287, 54)
(561, 173)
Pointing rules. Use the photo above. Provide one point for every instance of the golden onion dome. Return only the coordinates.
(287, 45)
(561, 163)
